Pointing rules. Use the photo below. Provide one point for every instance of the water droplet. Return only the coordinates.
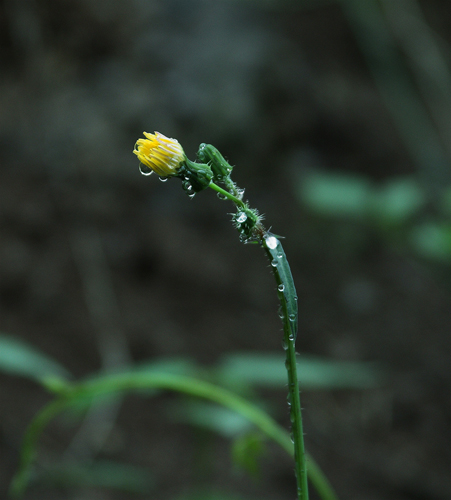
(281, 288)
(192, 195)
(241, 217)
(274, 263)
(271, 242)
(144, 169)
(279, 255)
(221, 196)
(284, 345)
(239, 191)
(292, 317)
(291, 337)
(292, 437)
(244, 237)
(163, 179)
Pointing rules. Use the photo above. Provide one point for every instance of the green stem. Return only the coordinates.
(289, 315)
(230, 196)
(30, 444)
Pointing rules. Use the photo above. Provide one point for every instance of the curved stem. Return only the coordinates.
(288, 303)
(30, 444)
(225, 193)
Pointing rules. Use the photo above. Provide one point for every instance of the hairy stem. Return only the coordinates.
(289, 315)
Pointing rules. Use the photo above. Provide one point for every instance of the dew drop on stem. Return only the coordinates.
(241, 217)
(271, 242)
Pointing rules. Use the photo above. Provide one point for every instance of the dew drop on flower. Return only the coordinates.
(271, 242)
(144, 169)
(163, 179)
(274, 263)
(281, 288)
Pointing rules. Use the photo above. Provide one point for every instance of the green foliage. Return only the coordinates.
(21, 359)
(433, 241)
(335, 195)
(397, 201)
(352, 196)
(215, 418)
(221, 420)
(267, 370)
(247, 449)
(399, 210)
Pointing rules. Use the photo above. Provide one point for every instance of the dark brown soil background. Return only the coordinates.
(100, 265)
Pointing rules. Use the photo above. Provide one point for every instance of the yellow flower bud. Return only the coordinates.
(162, 155)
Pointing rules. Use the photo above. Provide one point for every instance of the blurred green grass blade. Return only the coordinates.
(432, 240)
(102, 474)
(337, 195)
(215, 418)
(119, 383)
(247, 449)
(354, 197)
(19, 358)
(176, 366)
(398, 200)
(313, 372)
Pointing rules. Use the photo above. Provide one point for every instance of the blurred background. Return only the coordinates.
(337, 117)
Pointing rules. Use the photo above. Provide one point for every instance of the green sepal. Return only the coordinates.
(245, 220)
(219, 166)
(195, 176)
